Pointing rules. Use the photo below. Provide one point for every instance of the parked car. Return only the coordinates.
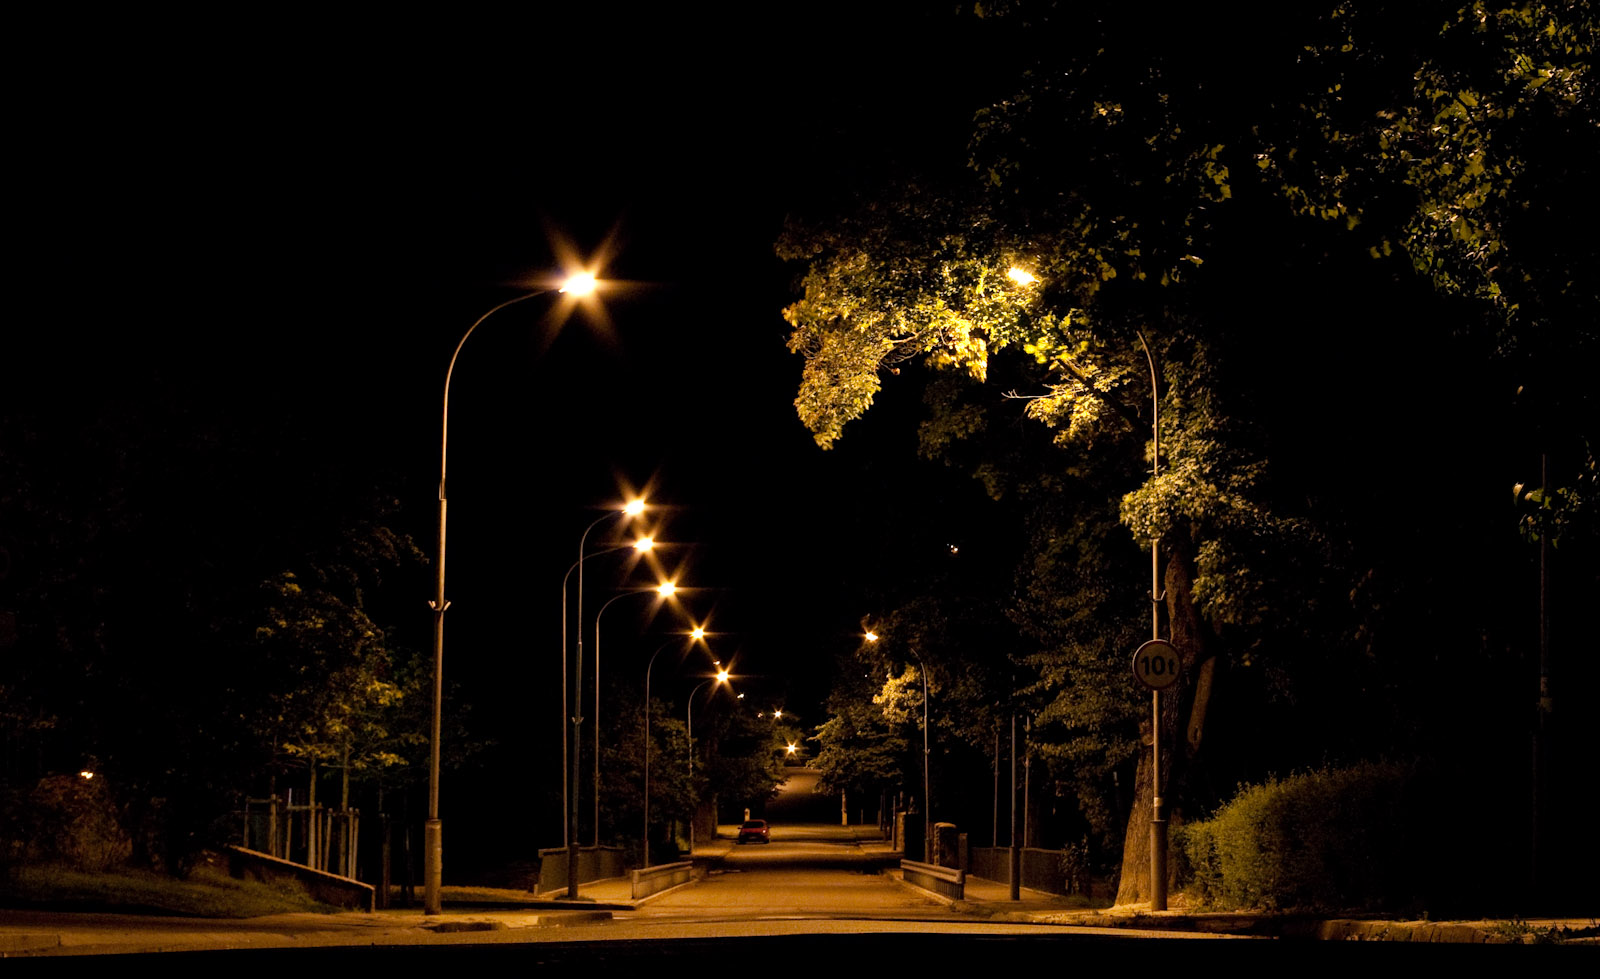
(754, 831)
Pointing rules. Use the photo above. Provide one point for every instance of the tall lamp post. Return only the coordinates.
(433, 845)
(634, 508)
(641, 545)
(665, 590)
(688, 737)
(698, 633)
(1158, 816)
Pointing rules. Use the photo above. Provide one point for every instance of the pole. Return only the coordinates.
(1016, 852)
(994, 830)
(927, 795)
(688, 736)
(577, 717)
(1158, 819)
(433, 851)
(597, 617)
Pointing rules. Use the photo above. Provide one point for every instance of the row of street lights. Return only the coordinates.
(574, 288)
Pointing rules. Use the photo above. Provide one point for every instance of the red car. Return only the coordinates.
(754, 831)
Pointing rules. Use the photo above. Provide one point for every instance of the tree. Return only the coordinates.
(1137, 203)
(861, 750)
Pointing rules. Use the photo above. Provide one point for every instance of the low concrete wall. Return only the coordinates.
(328, 888)
(594, 863)
(654, 880)
(948, 881)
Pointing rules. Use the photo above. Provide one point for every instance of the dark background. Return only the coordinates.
(278, 230)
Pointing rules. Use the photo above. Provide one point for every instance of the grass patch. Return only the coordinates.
(207, 893)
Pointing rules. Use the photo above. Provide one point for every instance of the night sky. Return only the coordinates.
(292, 223)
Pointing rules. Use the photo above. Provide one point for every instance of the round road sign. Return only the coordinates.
(1156, 664)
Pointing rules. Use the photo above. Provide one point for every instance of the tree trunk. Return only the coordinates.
(1187, 699)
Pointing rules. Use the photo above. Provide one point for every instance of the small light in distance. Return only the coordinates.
(1020, 276)
(667, 589)
(634, 508)
(871, 636)
(644, 543)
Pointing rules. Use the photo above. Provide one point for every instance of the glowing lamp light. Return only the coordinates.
(86, 775)
(644, 544)
(667, 589)
(1021, 276)
(581, 284)
(698, 633)
(792, 748)
(871, 636)
(722, 676)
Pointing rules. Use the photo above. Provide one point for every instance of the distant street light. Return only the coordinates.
(633, 509)
(664, 590)
(719, 679)
(641, 545)
(699, 633)
(433, 845)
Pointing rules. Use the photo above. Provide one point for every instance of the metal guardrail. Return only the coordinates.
(950, 882)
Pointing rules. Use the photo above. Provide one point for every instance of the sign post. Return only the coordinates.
(1156, 665)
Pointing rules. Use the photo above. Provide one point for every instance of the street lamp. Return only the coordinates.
(927, 844)
(641, 545)
(633, 509)
(433, 848)
(719, 679)
(665, 590)
(699, 633)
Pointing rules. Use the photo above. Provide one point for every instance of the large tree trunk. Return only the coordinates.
(1188, 700)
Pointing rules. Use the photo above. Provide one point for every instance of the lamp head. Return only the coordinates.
(581, 284)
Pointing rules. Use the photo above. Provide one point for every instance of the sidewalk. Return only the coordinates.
(992, 899)
(41, 933)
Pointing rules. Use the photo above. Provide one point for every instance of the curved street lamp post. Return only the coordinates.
(433, 847)
(688, 730)
(642, 544)
(634, 508)
(664, 590)
(698, 633)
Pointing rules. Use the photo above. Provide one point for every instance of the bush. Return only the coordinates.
(74, 820)
(1335, 839)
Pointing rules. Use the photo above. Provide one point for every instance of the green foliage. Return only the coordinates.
(332, 682)
(1569, 513)
(1455, 142)
(744, 764)
(861, 748)
(672, 792)
(1336, 839)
